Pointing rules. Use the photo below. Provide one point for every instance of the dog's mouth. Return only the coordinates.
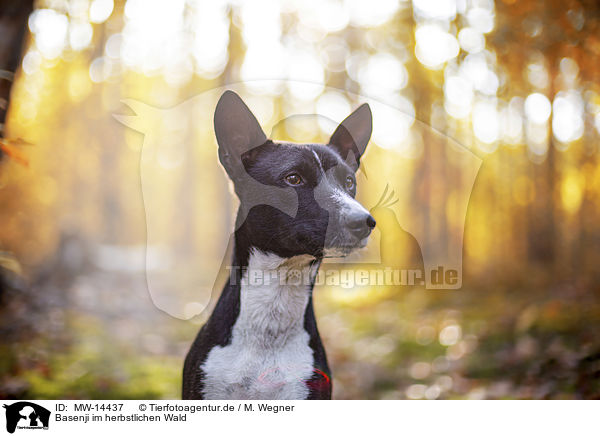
(344, 249)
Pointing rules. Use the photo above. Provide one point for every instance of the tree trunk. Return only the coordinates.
(13, 28)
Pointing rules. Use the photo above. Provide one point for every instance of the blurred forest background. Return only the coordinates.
(517, 82)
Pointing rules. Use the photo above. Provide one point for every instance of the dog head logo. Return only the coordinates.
(26, 415)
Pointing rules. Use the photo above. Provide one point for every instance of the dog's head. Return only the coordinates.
(319, 179)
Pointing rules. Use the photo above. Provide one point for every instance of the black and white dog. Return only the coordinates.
(297, 206)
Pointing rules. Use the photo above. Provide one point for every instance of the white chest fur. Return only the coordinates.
(269, 356)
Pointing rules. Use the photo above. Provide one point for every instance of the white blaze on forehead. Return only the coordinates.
(318, 160)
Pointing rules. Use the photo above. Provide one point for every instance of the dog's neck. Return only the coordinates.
(262, 329)
(273, 349)
(274, 295)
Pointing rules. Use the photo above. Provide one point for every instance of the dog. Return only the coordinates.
(297, 206)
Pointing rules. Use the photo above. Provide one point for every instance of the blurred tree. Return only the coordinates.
(13, 28)
(548, 31)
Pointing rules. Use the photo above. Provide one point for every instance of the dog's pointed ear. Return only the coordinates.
(237, 132)
(353, 134)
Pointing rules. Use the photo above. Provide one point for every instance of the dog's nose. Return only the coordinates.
(361, 224)
(371, 222)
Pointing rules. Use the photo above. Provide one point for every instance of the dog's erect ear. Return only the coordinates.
(237, 132)
(353, 135)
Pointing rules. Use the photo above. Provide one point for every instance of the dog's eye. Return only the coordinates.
(349, 182)
(294, 179)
